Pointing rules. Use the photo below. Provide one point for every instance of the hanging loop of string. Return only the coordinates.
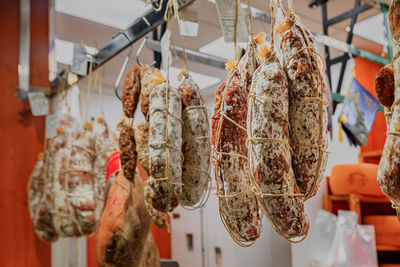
(89, 87)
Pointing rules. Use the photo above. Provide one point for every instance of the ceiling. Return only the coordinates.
(92, 33)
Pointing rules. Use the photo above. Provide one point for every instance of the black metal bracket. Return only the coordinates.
(119, 43)
(352, 14)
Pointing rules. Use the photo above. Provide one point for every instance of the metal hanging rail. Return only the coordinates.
(120, 42)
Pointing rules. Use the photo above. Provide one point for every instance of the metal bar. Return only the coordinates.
(24, 46)
(346, 48)
(121, 72)
(348, 41)
(190, 54)
(348, 14)
(340, 98)
(327, 52)
(385, 9)
(139, 29)
(337, 60)
(124, 39)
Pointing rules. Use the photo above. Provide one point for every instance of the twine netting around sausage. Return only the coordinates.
(217, 156)
(70, 213)
(207, 190)
(313, 55)
(43, 197)
(252, 98)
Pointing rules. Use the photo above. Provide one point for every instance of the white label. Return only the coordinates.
(165, 53)
(39, 103)
(188, 28)
(226, 13)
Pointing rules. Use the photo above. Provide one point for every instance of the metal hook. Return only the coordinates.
(139, 51)
(122, 72)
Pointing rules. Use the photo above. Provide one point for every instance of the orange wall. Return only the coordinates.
(365, 74)
(21, 136)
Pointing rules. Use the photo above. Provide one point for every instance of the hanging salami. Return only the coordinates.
(389, 169)
(147, 85)
(105, 143)
(165, 142)
(196, 145)
(131, 92)
(270, 152)
(127, 146)
(75, 203)
(308, 116)
(142, 143)
(238, 205)
(384, 88)
(36, 199)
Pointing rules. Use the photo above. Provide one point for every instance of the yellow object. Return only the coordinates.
(283, 27)
(88, 126)
(157, 78)
(181, 74)
(342, 119)
(229, 65)
(264, 51)
(100, 120)
(260, 38)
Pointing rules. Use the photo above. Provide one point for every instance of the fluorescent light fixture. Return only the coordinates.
(372, 29)
(221, 49)
(64, 51)
(202, 80)
(119, 14)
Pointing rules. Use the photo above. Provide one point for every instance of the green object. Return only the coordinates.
(368, 55)
(385, 9)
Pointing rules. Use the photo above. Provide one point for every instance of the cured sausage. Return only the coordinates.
(131, 92)
(389, 169)
(142, 144)
(36, 199)
(127, 146)
(196, 145)
(165, 142)
(308, 115)
(75, 202)
(159, 218)
(238, 205)
(270, 153)
(147, 86)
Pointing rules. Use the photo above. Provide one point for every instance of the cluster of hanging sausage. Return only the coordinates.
(270, 118)
(66, 187)
(172, 144)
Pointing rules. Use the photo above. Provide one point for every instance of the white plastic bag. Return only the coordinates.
(353, 245)
(325, 228)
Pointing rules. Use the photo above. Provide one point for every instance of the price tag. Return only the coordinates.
(165, 54)
(188, 28)
(39, 103)
(226, 13)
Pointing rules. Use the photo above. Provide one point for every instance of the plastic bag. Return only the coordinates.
(325, 229)
(353, 245)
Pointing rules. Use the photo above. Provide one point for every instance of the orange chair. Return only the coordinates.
(354, 187)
